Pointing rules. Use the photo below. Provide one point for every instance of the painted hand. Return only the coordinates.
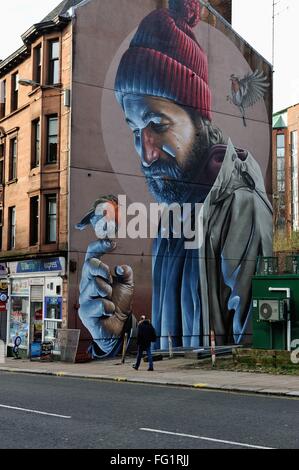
(105, 299)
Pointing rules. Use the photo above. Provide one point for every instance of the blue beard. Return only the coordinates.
(181, 185)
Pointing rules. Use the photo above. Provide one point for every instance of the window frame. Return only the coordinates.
(3, 99)
(11, 228)
(48, 218)
(37, 64)
(2, 164)
(294, 180)
(48, 143)
(35, 143)
(34, 221)
(53, 62)
(14, 101)
(13, 158)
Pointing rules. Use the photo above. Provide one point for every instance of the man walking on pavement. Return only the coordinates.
(145, 335)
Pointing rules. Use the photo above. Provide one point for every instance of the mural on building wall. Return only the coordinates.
(201, 276)
(247, 91)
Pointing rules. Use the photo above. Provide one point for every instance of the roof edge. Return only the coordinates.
(29, 36)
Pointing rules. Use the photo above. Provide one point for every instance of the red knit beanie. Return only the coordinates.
(165, 60)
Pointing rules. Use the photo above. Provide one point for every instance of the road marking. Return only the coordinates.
(204, 438)
(34, 411)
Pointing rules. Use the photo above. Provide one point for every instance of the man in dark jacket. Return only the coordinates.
(145, 335)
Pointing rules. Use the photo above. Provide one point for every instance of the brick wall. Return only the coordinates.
(33, 104)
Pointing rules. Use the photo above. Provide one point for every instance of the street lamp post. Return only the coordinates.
(65, 91)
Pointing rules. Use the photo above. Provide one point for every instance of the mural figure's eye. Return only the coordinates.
(159, 127)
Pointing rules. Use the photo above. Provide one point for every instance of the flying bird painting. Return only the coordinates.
(247, 91)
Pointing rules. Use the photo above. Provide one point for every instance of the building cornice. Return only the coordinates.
(37, 30)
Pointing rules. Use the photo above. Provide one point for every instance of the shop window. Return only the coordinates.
(2, 98)
(13, 159)
(14, 91)
(34, 218)
(52, 317)
(37, 64)
(19, 314)
(51, 218)
(11, 228)
(52, 138)
(35, 157)
(53, 77)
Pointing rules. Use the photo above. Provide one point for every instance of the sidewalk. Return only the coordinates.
(172, 372)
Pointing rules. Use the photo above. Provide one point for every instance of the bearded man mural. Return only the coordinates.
(163, 89)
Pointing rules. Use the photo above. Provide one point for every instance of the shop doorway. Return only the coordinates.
(36, 314)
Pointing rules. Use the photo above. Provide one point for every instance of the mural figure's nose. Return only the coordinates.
(150, 153)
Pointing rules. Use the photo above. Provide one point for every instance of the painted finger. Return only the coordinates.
(98, 269)
(95, 288)
(124, 274)
(92, 309)
(99, 248)
(104, 287)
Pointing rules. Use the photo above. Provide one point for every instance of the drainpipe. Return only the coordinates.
(287, 290)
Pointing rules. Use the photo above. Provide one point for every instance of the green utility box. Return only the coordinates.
(274, 315)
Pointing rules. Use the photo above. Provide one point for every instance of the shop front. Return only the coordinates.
(3, 301)
(35, 303)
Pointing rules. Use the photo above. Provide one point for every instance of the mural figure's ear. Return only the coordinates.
(85, 221)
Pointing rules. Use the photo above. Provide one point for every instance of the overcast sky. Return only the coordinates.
(252, 19)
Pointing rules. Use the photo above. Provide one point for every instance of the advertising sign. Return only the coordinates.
(35, 350)
(20, 287)
(3, 269)
(38, 266)
(68, 340)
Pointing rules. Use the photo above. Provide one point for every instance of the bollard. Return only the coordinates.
(2, 352)
(213, 353)
(124, 348)
(170, 346)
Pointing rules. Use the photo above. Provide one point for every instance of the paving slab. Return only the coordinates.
(175, 372)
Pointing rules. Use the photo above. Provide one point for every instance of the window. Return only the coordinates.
(34, 203)
(280, 154)
(14, 91)
(19, 312)
(37, 64)
(1, 172)
(35, 158)
(51, 217)
(280, 159)
(13, 159)
(11, 228)
(2, 98)
(295, 200)
(53, 77)
(2, 148)
(52, 318)
(52, 138)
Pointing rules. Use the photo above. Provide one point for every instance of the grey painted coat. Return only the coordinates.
(195, 291)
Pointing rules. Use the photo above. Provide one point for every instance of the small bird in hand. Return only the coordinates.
(247, 91)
